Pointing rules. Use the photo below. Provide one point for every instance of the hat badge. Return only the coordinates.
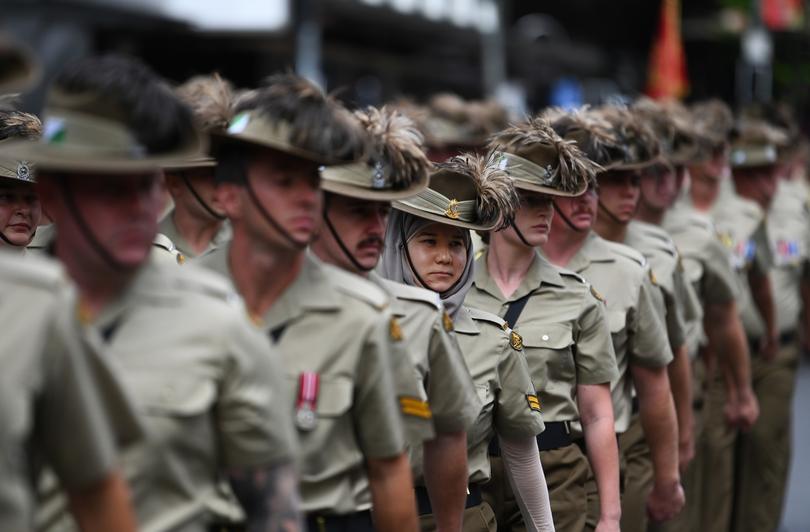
(24, 171)
(378, 176)
(452, 210)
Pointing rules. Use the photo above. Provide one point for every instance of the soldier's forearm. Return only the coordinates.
(728, 343)
(658, 418)
(392, 496)
(446, 478)
(103, 506)
(762, 293)
(269, 496)
(680, 381)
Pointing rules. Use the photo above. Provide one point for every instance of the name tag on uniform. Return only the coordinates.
(308, 387)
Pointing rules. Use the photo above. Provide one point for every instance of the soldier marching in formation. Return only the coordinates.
(396, 319)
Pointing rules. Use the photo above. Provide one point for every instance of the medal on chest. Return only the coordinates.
(308, 388)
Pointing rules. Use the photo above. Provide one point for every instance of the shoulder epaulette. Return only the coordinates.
(202, 281)
(483, 315)
(572, 275)
(628, 253)
(31, 271)
(164, 243)
(357, 287)
(413, 293)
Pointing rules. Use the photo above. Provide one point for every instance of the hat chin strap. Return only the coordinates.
(270, 220)
(214, 214)
(519, 234)
(567, 220)
(84, 227)
(340, 242)
(612, 216)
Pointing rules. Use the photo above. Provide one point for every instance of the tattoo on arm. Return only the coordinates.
(269, 496)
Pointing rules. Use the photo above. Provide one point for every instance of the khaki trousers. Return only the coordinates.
(689, 518)
(569, 479)
(765, 452)
(638, 477)
(717, 476)
(476, 519)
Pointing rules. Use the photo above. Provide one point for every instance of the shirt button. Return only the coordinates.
(545, 337)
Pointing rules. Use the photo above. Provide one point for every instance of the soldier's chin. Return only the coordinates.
(131, 257)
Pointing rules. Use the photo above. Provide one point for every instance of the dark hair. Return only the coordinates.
(127, 89)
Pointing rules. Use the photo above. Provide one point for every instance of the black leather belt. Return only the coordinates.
(787, 338)
(556, 435)
(474, 498)
(359, 522)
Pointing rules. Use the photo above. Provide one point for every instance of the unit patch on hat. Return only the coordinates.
(516, 341)
(534, 402)
(24, 171)
(395, 330)
(447, 321)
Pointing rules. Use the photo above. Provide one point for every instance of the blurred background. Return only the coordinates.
(528, 54)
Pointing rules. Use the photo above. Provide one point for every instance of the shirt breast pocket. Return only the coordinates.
(549, 352)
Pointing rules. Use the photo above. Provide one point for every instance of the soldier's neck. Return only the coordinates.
(645, 213)
(98, 283)
(261, 273)
(198, 232)
(563, 244)
(610, 230)
(508, 263)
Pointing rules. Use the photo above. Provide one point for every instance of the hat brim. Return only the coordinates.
(50, 157)
(353, 191)
(271, 144)
(202, 162)
(442, 219)
(521, 185)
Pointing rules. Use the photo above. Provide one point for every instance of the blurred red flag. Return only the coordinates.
(667, 78)
(782, 14)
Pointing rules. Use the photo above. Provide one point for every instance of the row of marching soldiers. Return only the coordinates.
(575, 321)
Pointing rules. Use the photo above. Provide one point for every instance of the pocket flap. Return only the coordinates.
(551, 336)
(181, 396)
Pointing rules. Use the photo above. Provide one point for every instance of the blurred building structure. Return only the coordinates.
(372, 50)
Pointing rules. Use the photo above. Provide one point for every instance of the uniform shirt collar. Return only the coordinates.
(594, 249)
(464, 323)
(540, 272)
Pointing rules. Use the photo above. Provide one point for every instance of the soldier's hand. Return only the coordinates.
(608, 525)
(665, 501)
(769, 348)
(748, 410)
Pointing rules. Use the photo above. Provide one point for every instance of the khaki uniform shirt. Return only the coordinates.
(680, 302)
(622, 276)
(445, 381)
(504, 385)
(788, 233)
(339, 326)
(50, 406)
(742, 229)
(207, 385)
(566, 338)
(707, 263)
(169, 230)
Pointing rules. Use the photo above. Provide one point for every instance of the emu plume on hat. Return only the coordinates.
(18, 125)
(453, 121)
(211, 100)
(674, 127)
(715, 121)
(592, 133)
(396, 165)
(290, 114)
(538, 159)
(470, 191)
(641, 145)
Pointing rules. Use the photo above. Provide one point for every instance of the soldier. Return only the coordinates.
(20, 210)
(49, 393)
(619, 194)
(707, 264)
(204, 380)
(764, 453)
(624, 278)
(428, 244)
(355, 214)
(196, 224)
(565, 333)
(335, 329)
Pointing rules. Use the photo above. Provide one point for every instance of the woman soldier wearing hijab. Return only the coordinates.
(428, 244)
